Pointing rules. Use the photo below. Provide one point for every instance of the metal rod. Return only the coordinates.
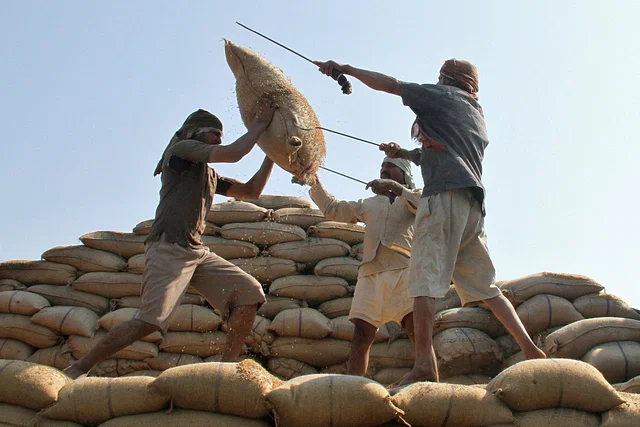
(273, 41)
(339, 133)
(341, 174)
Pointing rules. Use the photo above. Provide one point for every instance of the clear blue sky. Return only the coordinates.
(92, 91)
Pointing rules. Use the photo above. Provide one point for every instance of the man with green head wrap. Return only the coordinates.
(381, 293)
(175, 257)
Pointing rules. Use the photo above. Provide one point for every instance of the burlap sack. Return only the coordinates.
(286, 368)
(230, 249)
(357, 251)
(317, 353)
(309, 251)
(387, 376)
(136, 302)
(301, 322)
(85, 258)
(625, 415)
(342, 329)
(113, 318)
(336, 307)
(164, 361)
(21, 302)
(66, 295)
(469, 379)
(117, 368)
(19, 327)
(203, 344)
(342, 369)
(469, 317)
(554, 383)
(110, 285)
(631, 386)
(508, 345)
(266, 269)
(545, 311)
(35, 272)
(574, 340)
(30, 385)
(144, 228)
(68, 320)
(616, 361)
(437, 404)
(139, 350)
(17, 416)
(397, 354)
(275, 305)
(462, 351)
(194, 318)
(302, 217)
(178, 417)
(59, 357)
(227, 388)
(236, 211)
(345, 267)
(512, 360)
(604, 305)
(351, 234)
(556, 417)
(14, 350)
(124, 244)
(263, 233)
(312, 289)
(450, 300)
(96, 400)
(277, 202)
(569, 286)
(11, 285)
(135, 264)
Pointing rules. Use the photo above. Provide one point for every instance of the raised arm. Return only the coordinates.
(373, 79)
(252, 189)
(336, 210)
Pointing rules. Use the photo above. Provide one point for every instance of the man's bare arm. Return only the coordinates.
(376, 81)
(252, 189)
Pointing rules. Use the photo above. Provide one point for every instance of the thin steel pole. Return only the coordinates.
(273, 41)
(341, 174)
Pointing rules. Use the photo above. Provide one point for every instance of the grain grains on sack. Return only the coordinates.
(468, 317)
(11, 285)
(345, 267)
(302, 217)
(463, 351)
(625, 415)
(68, 320)
(554, 383)
(438, 404)
(312, 289)
(545, 311)
(85, 258)
(301, 322)
(30, 385)
(230, 249)
(21, 302)
(179, 417)
(351, 234)
(263, 233)
(317, 353)
(19, 327)
(397, 354)
(109, 285)
(616, 361)
(275, 305)
(569, 286)
(117, 367)
(36, 272)
(342, 328)
(336, 307)
(59, 357)
(277, 202)
(631, 386)
(266, 269)
(227, 388)
(164, 361)
(203, 344)
(124, 244)
(121, 315)
(604, 305)
(139, 350)
(310, 251)
(286, 368)
(194, 318)
(96, 400)
(236, 211)
(66, 295)
(11, 349)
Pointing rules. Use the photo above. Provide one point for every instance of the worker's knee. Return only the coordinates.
(364, 331)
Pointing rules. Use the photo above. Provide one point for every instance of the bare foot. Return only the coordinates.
(73, 372)
(534, 353)
(419, 374)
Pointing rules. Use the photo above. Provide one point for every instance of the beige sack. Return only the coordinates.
(438, 404)
(35, 272)
(230, 249)
(144, 228)
(469, 317)
(397, 354)
(616, 361)
(463, 351)
(450, 300)
(266, 269)
(625, 415)
(351, 234)
(194, 318)
(30, 385)
(14, 350)
(387, 376)
(124, 244)
(227, 388)
(545, 311)
(117, 367)
(21, 302)
(309, 251)
(317, 353)
(164, 361)
(139, 350)
(569, 286)
(301, 322)
(554, 383)
(574, 340)
(110, 285)
(302, 217)
(357, 251)
(235, 211)
(135, 264)
(19, 327)
(557, 417)
(136, 302)
(59, 357)
(286, 368)
(113, 318)
(203, 344)
(68, 320)
(312, 289)
(345, 267)
(17, 416)
(66, 295)
(11, 285)
(263, 233)
(270, 201)
(508, 345)
(275, 305)
(336, 307)
(469, 379)
(179, 417)
(604, 305)
(85, 258)
(631, 386)
(343, 329)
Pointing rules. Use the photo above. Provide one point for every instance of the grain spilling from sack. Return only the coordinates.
(36, 272)
(185, 418)
(236, 211)
(85, 258)
(302, 217)
(604, 305)
(124, 244)
(68, 320)
(263, 233)
(545, 311)
(312, 289)
(19, 327)
(21, 302)
(30, 385)
(616, 361)
(66, 295)
(349, 233)
(569, 286)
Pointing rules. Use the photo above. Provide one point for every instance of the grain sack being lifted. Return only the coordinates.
(298, 151)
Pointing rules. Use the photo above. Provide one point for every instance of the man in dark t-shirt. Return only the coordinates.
(174, 254)
(450, 240)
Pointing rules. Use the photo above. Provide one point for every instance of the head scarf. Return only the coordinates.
(463, 73)
(196, 120)
(405, 165)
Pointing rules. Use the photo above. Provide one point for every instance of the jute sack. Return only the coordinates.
(28, 384)
(312, 289)
(85, 258)
(545, 311)
(111, 319)
(68, 320)
(194, 318)
(203, 344)
(569, 286)
(144, 373)
(345, 267)
(463, 351)
(59, 357)
(66, 295)
(309, 251)
(338, 400)
(266, 269)
(292, 140)
(302, 217)
(144, 228)
(139, 350)
(625, 415)
(512, 360)
(261, 328)
(135, 264)
(556, 417)
(136, 302)
(227, 388)
(21, 302)
(450, 300)
(469, 317)
(301, 322)
(351, 234)
(398, 354)
(110, 285)
(554, 383)
(185, 418)
(317, 353)
(631, 386)
(342, 369)
(271, 201)
(469, 379)
(14, 349)
(388, 376)
(230, 249)
(286, 368)
(357, 251)
(13, 415)
(96, 400)
(19, 327)
(11, 285)
(263, 233)
(604, 305)
(124, 244)
(117, 367)
(508, 345)
(616, 361)
(275, 305)
(336, 307)
(164, 361)
(235, 211)
(574, 340)
(438, 404)
(36, 272)
(342, 328)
